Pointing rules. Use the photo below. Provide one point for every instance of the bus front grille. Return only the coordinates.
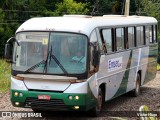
(53, 104)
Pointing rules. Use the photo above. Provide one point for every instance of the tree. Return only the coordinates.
(7, 21)
(1, 20)
(1, 30)
(50, 5)
(150, 8)
(70, 7)
(101, 7)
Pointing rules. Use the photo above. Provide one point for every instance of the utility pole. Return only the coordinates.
(127, 4)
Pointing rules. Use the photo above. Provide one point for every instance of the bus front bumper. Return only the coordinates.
(57, 101)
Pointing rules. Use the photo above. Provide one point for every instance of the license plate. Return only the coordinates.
(44, 97)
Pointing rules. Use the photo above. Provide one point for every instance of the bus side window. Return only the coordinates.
(120, 38)
(131, 37)
(107, 36)
(140, 35)
(148, 34)
(155, 33)
(93, 37)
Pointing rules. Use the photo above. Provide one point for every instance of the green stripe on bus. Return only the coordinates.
(123, 86)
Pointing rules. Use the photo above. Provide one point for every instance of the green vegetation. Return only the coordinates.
(14, 12)
(158, 67)
(70, 6)
(4, 75)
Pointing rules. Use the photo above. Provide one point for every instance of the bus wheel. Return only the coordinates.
(136, 91)
(96, 110)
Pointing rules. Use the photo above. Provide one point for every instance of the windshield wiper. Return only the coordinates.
(49, 56)
(37, 65)
(58, 63)
(34, 66)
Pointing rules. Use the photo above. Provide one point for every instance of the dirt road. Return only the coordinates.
(150, 96)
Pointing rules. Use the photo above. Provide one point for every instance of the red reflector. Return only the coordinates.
(44, 97)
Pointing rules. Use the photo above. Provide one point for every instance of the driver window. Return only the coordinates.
(93, 40)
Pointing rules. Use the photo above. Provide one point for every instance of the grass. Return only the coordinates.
(158, 67)
(5, 73)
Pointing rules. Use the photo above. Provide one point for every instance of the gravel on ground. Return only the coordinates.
(150, 96)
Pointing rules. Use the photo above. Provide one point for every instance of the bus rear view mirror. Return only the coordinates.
(8, 48)
(8, 52)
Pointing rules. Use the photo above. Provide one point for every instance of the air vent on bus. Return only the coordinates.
(45, 90)
(55, 104)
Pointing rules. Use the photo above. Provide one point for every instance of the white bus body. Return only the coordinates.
(120, 55)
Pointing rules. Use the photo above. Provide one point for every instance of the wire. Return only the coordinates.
(14, 20)
(7, 23)
(19, 11)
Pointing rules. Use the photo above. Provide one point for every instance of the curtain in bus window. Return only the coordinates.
(120, 38)
(93, 39)
(107, 35)
(154, 33)
(65, 47)
(131, 38)
(148, 34)
(140, 36)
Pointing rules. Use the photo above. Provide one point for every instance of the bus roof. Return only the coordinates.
(81, 23)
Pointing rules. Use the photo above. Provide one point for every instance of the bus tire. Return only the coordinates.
(136, 91)
(97, 110)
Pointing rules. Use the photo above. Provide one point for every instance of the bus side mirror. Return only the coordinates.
(8, 52)
(95, 60)
(8, 49)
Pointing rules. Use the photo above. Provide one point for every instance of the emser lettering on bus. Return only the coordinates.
(114, 64)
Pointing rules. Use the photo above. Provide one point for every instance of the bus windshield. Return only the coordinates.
(50, 53)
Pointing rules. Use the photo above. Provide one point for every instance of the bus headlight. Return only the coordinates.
(76, 107)
(17, 103)
(15, 94)
(70, 97)
(76, 97)
(20, 94)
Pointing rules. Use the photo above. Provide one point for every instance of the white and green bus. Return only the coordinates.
(76, 63)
